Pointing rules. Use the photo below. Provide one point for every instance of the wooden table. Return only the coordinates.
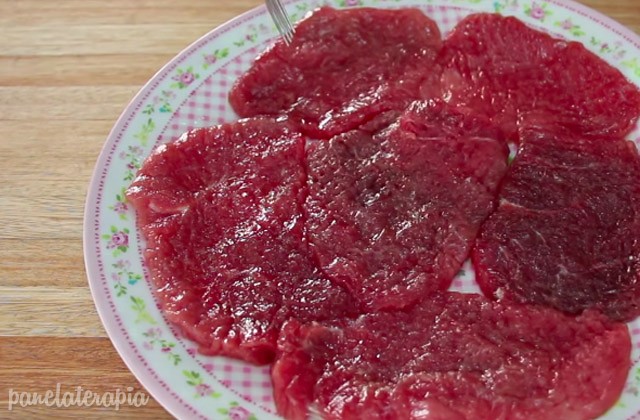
(67, 70)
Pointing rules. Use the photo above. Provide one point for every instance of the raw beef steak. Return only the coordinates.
(392, 216)
(453, 357)
(500, 66)
(343, 69)
(567, 231)
(177, 172)
(221, 213)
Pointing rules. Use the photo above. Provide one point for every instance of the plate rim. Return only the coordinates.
(127, 351)
(175, 405)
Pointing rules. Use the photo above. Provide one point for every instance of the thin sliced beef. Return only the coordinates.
(453, 357)
(567, 231)
(343, 69)
(221, 213)
(501, 67)
(177, 172)
(392, 216)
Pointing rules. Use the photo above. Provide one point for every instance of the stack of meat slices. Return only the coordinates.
(322, 232)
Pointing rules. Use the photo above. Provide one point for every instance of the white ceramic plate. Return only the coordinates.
(191, 91)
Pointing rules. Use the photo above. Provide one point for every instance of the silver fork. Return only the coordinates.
(281, 19)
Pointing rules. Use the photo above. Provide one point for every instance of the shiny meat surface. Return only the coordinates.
(566, 231)
(501, 67)
(453, 357)
(221, 214)
(343, 69)
(392, 216)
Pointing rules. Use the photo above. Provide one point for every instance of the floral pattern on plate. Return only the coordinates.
(191, 91)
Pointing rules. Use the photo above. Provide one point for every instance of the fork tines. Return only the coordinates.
(281, 19)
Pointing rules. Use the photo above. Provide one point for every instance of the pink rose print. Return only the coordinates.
(184, 77)
(203, 389)
(147, 345)
(352, 2)
(122, 264)
(116, 277)
(120, 208)
(120, 239)
(208, 367)
(187, 77)
(210, 58)
(153, 332)
(537, 12)
(239, 413)
(567, 24)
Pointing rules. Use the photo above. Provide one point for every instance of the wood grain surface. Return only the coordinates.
(67, 70)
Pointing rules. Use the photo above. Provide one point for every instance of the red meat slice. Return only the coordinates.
(177, 172)
(343, 69)
(567, 231)
(453, 357)
(392, 216)
(221, 212)
(501, 67)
